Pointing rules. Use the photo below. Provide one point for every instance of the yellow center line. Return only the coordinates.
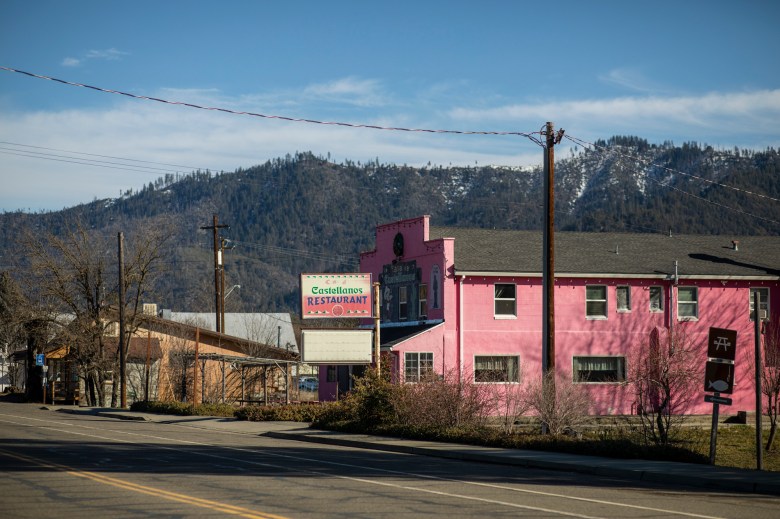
(142, 489)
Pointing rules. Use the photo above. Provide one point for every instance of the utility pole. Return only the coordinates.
(377, 342)
(759, 369)
(122, 348)
(548, 268)
(217, 267)
(222, 285)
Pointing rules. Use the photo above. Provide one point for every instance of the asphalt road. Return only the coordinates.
(65, 465)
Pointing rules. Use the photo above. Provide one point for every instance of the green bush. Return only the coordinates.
(286, 413)
(184, 409)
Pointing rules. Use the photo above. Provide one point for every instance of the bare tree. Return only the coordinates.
(72, 275)
(141, 270)
(664, 371)
(14, 314)
(562, 405)
(69, 278)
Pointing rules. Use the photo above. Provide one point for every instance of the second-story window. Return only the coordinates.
(623, 298)
(763, 302)
(656, 299)
(596, 302)
(422, 312)
(403, 303)
(687, 303)
(505, 299)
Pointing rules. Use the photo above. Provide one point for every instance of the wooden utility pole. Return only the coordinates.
(759, 369)
(122, 346)
(377, 342)
(222, 287)
(195, 368)
(548, 268)
(217, 267)
(148, 363)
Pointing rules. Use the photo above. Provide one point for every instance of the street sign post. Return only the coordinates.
(722, 344)
(719, 375)
(716, 399)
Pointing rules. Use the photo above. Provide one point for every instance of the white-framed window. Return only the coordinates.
(496, 368)
(656, 299)
(403, 303)
(422, 309)
(687, 303)
(505, 301)
(623, 293)
(596, 301)
(417, 365)
(763, 303)
(602, 369)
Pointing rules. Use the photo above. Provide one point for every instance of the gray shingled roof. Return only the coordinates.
(576, 253)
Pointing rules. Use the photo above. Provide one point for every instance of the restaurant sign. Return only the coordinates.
(336, 295)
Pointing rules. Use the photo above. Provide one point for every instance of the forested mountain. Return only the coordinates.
(304, 213)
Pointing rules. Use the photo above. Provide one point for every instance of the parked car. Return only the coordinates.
(308, 383)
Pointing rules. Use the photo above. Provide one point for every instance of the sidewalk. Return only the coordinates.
(704, 476)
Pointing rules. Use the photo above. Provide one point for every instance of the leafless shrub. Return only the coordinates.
(507, 401)
(441, 402)
(559, 403)
(664, 371)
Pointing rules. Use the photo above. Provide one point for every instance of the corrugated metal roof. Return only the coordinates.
(632, 254)
(260, 327)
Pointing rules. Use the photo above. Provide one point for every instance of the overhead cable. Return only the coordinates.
(266, 116)
(101, 156)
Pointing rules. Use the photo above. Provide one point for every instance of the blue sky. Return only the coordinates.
(704, 71)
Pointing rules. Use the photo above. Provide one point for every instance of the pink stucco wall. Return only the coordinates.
(470, 327)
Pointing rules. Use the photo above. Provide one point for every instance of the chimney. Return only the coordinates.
(735, 244)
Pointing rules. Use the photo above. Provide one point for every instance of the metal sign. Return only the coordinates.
(336, 295)
(717, 399)
(39, 359)
(719, 377)
(722, 344)
(336, 346)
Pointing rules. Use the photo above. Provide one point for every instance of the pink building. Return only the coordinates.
(469, 301)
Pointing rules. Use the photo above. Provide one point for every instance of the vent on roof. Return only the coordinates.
(735, 244)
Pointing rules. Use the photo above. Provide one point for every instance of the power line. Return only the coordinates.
(267, 116)
(300, 253)
(101, 156)
(84, 162)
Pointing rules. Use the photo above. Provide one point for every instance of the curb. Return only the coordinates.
(105, 414)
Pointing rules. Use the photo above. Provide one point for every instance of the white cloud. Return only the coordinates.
(629, 78)
(739, 115)
(351, 90)
(111, 54)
